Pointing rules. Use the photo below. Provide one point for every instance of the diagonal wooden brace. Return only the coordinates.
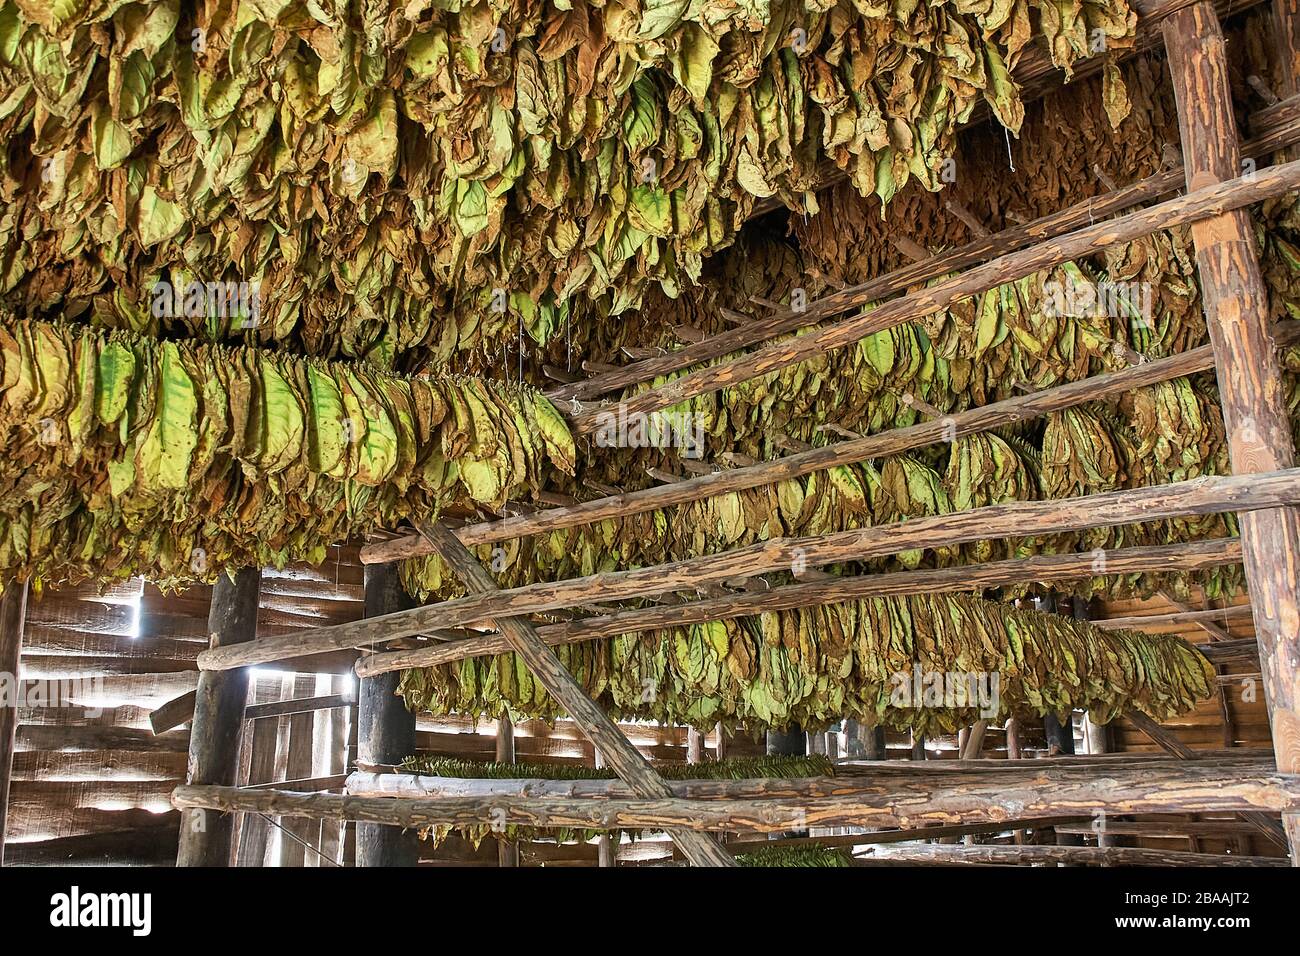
(621, 757)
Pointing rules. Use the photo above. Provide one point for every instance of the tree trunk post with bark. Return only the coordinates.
(216, 731)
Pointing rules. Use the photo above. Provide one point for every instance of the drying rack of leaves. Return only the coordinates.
(380, 172)
(817, 665)
(129, 455)
(731, 768)
(792, 856)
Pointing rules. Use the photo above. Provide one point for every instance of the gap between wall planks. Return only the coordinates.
(1278, 127)
(1205, 495)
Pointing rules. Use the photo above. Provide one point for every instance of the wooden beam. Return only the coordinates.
(1165, 828)
(1184, 615)
(215, 732)
(1211, 201)
(906, 836)
(1286, 33)
(895, 441)
(13, 617)
(1170, 744)
(174, 713)
(1206, 495)
(1186, 788)
(507, 850)
(385, 728)
(297, 705)
(1274, 128)
(1250, 384)
(1068, 855)
(594, 723)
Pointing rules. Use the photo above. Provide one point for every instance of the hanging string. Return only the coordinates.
(1010, 162)
(294, 837)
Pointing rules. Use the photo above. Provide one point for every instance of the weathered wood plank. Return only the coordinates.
(385, 729)
(1191, 787)
(215, 732)
(1250, 383)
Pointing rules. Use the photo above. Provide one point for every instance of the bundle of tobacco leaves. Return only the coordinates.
(929, 663)
(127, 455)
(806, 856)
(417, 175)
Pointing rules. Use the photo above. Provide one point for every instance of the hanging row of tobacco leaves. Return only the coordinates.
(873, 660)
(128, 455)
(990, 347)
(389, 171)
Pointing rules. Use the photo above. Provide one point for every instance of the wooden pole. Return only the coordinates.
(386, 729)
(604, 844)
(1205, 495)
(507, 850)
(1170, 744)
(13, 617)
(1163, 558)
(603, 733)
(1211, 201)
(1250, 382)
(1068, 855)
(217, 727)
(1019, 408)
(1286, 31)
(694, 746)
(1184, 788)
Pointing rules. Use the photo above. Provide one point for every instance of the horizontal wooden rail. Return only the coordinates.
(1187, 788)
(868, 778)
(1070, 855)
(1193, 556)
(1240, 612)
(1200, 496)
(892, 442)
(1276, 127)
(1195, 206)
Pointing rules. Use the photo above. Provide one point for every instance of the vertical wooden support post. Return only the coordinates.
(873, 739)
(790, 742)
(507, 850)
(694, 746)
(918, 746)
(604, 842)
(385, 728)
(1286, 32)
(720, 751)
(1250, 385)
(13, 615)
(218, 724)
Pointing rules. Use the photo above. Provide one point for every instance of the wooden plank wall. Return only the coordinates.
(90, 779)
